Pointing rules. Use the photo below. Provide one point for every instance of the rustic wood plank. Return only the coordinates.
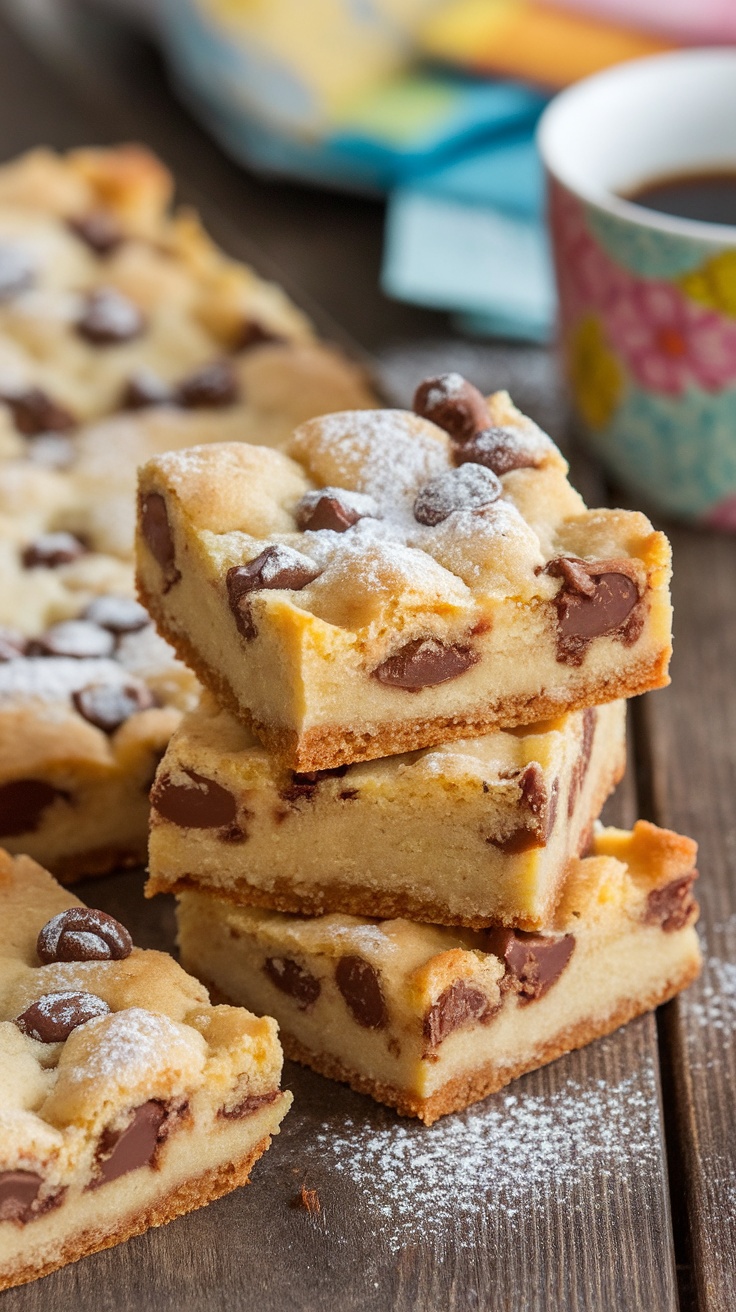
(553, 1194)
(692, 730)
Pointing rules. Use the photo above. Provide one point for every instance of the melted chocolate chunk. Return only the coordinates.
(121, 1151)
(524, 839)
(117, 614)
(251, 333)
(109, 318)
(18, 1192)
(53, 1018)
(334, 509)
(23, 803)
(203, 804)
(497, 449)
(672, 907)
(460, 1002)
(305, 785)
(53, 549)
(17, 271)
(249, 1105)
(79, 639)
(213, 386)
(423, 663)
(34, 412)
(108, 705)
(143, 389)
(276, 567)
(452, 403)
(534, 789)
(533, 961)
(596, 599)
(580, 767)
(469, 488)
(83, 934)
(12, 644)
(294, 980)
(98, 229)
(156, 531)
(360, 986)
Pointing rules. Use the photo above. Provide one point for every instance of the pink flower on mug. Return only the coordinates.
(587, 278)
(668, 342)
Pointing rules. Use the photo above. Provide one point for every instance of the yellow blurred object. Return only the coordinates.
(521, 38)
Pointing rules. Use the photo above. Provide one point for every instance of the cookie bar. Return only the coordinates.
(431, 1019)
(475, 832)
(127, 1099)
(389, 585)
(87, 707)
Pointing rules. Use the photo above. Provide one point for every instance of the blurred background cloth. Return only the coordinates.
(432, 102)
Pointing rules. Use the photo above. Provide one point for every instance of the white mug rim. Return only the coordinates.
(604, 199)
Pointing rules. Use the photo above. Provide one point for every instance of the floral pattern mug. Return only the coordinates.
(648, 300)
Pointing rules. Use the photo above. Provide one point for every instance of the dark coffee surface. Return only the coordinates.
(710, 197)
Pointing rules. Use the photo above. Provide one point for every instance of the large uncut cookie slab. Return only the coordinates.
(429, 1019)
(377, 591)
(127, 1099)
(475, 832)
(110, 302)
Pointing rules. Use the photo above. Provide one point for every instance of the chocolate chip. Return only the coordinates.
(53, 549)
(468, 488)
(23, 803)
(360, 986)
(452, 403)
(673, 906)
(121, 1151)
(251, 333)
(423, 663)
(533, 961)
(76, 638)
(55, 1015)
(83, 934)
(117, 614)
(534, 789)
(156, 531)
(34, 412)
(460, 1002)
(12, 644)
(253, 1103)
(524, 839)
(17, 271)
(99, 229)
(497, 449)
(597, 598)
(203, 804)
(212, 386)
(305, 785)
(580, 767)
(276, 567)
(109, 318)
(294, 980)
(143, 389)
(108, 705)
(18, 1193)
(333, 508)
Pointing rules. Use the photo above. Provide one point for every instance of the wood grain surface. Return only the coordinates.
(555, 1194)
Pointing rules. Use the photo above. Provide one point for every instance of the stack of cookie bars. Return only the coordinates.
(381, 820)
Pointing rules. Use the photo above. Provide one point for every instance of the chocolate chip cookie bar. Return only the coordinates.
(475, 832)
(87, 707)
(390, 584)
(430, 1019)
(127, 1099)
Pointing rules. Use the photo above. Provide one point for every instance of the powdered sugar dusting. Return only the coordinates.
(421, 1183)
(52, 678)
(133, 1044)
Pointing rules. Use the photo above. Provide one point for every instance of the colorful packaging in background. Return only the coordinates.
(434, 102)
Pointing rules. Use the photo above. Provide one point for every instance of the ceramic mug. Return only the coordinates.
(648, 300)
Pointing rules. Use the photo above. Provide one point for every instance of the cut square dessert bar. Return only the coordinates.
(127, 1099)
(391, 584)
(475, 832)
(431, 1019)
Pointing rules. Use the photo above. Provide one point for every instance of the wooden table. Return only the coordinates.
(604, 1183)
